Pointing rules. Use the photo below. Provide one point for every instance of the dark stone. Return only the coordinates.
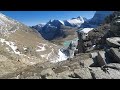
(115, 54)
(101, 58)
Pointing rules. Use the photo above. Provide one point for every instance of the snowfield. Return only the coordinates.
(86, 30)
(76, 21)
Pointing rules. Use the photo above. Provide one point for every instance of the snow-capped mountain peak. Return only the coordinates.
(56, 22)
(74, 21)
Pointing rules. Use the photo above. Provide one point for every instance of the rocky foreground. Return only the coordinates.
(82, 67)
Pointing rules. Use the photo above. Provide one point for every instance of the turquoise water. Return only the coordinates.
(66, 43)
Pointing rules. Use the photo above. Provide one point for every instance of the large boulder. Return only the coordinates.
(98, 73)
(113, 42)
(82, 73)
(48, 74)
(115, 54)
(87, 62)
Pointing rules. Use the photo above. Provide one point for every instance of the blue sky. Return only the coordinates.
(35, 17)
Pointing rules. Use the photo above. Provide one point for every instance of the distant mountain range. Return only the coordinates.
(52, 29)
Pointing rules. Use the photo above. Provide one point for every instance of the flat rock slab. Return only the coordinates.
(114, 66)
(113, 41)
(98, 73)
(114, 74)
(116, 54)
(82, 73)
(75, 65)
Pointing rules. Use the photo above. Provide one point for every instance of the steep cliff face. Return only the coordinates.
(52, 29)
(97, 19)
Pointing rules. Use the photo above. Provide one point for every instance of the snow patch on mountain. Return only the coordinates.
(61, 22)
(39, 26)
(75, 22)
(11, 45)
(86, 30)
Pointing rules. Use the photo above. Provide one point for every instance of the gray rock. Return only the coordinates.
(83, 73)
(114, 66)
(65, 75)
(101, 58)
(113, 41)
(75, 65)
(115, 54)
(114, 74)
(98, 73)
(48, 74)
(61, 69)
(87, 63)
